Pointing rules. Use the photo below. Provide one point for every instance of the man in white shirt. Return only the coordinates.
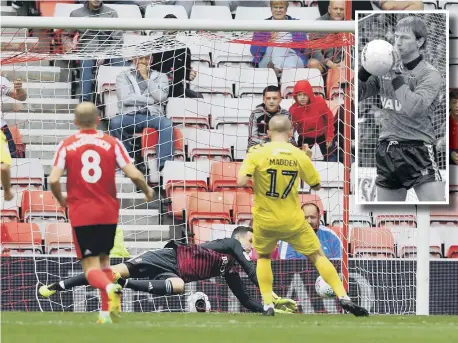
(12, 90)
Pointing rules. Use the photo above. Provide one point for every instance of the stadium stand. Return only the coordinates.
(209, 142)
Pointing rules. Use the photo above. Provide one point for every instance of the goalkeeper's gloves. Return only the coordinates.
(287, 311)
(284, 304)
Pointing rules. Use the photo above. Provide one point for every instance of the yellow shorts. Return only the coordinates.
(304, 240)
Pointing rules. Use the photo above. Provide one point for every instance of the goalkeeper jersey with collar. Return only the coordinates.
(409, 101)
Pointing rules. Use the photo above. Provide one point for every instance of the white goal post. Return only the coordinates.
(233, 27)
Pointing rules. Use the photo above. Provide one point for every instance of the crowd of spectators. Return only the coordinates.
(143, 90)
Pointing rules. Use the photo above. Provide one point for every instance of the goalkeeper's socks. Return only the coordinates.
(58, 286)
(158, 287)
(98, 279)
(78, 280)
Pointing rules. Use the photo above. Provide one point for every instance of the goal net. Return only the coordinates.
(200, 143)
(371, 110)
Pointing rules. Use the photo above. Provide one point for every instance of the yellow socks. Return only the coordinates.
(265, 279)
(329, 274)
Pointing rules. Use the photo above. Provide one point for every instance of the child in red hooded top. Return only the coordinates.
(312, 118)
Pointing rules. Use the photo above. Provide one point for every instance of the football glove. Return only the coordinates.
(284, 304)
(287, 311)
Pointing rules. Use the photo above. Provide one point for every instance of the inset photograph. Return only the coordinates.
(402, 131)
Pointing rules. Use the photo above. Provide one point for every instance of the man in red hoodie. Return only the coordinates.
(312, 118)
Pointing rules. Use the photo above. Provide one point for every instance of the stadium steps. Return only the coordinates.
(51, 136)
(31, 73)
(45, 151)
(33, 124)
(146, 232)
(123, 184)
(139, 217)
(50, 104)
(13, 43)
(130, 200)
(7, 11)
(48, 90)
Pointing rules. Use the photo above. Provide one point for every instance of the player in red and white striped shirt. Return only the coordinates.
(90, 158)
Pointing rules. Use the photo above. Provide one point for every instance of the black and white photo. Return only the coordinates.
(402, 81)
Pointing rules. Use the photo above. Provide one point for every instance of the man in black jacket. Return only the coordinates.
(168, 269)
(177, 65)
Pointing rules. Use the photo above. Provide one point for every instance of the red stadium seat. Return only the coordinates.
(369, 242)
(9, 211)
(445, 213)
(178, 190)
(41, 204)
(334, 79)
(46, 7)
(453, 252)
(17, 138)
(243, 202)
(59, 239)
(150, 138)
(204, 208)
(223, 176)
(19, 238)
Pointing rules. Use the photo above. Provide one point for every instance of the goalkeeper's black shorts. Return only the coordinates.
(405, 164)
(154, 265)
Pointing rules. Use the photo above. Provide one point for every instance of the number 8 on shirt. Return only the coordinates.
(91, 158)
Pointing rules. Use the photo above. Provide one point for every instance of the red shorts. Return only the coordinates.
(94, 240)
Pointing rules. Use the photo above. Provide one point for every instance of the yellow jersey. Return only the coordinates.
(276, 168)
(5, 156)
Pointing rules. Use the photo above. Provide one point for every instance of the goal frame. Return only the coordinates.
(307, 26)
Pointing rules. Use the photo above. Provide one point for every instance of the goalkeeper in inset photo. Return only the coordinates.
(403, 72)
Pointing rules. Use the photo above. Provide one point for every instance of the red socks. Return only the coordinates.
(98, 278)
(103, 293)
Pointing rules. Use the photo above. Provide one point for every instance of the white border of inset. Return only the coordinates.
(447, 72)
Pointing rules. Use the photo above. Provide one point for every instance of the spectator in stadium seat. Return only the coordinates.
(13, 90)
(141, 94)
(278, 58)
(176, 64)
(454, 127)
(332, 57)
(312, 119)
(261, 115)
(330, 242)
(376, 5)
(92, 40)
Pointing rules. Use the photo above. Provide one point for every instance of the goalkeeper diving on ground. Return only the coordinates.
(167, 270)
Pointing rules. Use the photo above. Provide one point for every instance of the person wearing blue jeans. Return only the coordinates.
(141, 95)
(87, 75)
(124, 126)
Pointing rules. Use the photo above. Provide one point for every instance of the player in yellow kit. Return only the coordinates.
(5, 159)
(276, 168)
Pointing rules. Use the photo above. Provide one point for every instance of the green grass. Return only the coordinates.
(24, 327)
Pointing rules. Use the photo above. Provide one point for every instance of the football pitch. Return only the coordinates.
(26, 327)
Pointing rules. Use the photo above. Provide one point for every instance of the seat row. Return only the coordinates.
(230, 82)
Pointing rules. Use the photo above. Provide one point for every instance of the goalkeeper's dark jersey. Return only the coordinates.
(218, 258)
(409, 101)
(215, 258)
